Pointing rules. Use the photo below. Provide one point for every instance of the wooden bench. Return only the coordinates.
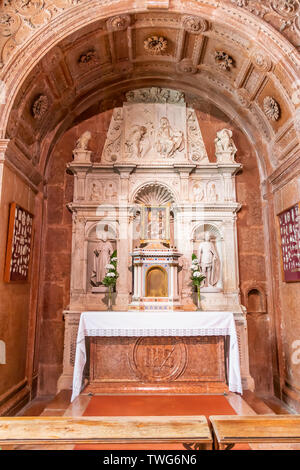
(231, 430)
(191, 431)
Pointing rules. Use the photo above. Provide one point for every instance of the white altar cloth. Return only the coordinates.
(157, 323)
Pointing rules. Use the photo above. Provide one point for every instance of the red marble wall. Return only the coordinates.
(57, 245)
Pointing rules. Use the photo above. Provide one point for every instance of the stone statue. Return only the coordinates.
(168, 141)
(209, 261)
(82, 142)
(225, 147)
(102, 256)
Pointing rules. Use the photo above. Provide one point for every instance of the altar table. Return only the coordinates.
(158, 324)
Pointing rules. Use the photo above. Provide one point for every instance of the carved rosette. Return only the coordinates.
(194, 24)
(155, 45)
(223, 60)
(39, 106)
(271, 108)
(118, 23)
(87, 58)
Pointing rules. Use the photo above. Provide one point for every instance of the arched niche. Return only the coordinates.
(256, 300)
(216, 239)
(95, 233)
(156, 282)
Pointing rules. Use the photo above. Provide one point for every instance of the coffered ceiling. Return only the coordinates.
(217, 66)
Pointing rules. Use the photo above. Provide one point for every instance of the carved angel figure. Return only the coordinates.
(168, 140)
(225, 147)
(82, 142)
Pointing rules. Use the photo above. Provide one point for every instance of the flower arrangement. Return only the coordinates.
(111, 277)
(196, 276)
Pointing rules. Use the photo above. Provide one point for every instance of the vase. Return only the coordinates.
(198, 298)
(109, 304)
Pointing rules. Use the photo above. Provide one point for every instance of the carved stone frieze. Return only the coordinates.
(155, 95)
(282, 14)
(154, 126)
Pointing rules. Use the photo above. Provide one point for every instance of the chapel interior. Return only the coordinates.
(145, 144)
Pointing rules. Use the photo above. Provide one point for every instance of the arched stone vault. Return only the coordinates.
(108, 37)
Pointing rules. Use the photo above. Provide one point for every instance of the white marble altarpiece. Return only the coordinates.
(156, 198)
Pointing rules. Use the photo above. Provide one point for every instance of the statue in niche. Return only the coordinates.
(82, 142)
(209, 261)
(168, 141)
(155, 225)
(225, 147)
(134, 143)
(212, 193)
(198, 192)
(102, 255)
(95, 193)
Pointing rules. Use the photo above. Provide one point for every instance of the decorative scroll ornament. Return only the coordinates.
(261, 61)
(223, 60)
(118, 23)
(286, 11)
(196, 148)
(271, 108)
(285, 7)
(194, 24)
(156, 45)
(40, 106)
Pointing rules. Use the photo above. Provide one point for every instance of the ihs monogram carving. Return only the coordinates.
(194, 24)
(39, 106)
(223, 60)
(155, 45)
(271, 108)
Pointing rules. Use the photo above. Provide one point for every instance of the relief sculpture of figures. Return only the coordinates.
(225, 147)
(102, 256)
(209, 261)
(134, 143)
(168, 140)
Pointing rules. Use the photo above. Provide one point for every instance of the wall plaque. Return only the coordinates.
(289, 224)
(19, 244)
